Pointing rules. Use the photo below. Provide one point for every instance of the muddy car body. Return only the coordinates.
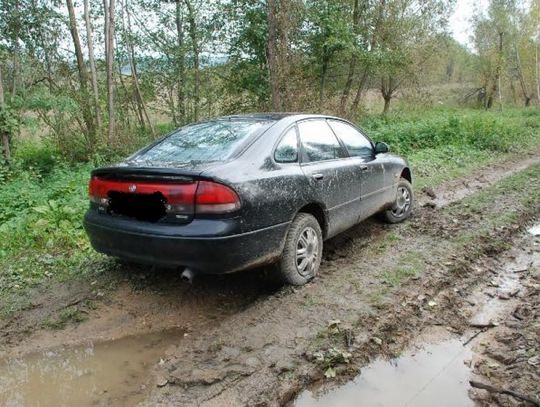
(319, 168)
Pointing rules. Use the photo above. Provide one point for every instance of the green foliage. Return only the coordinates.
(40, 224)
(38, 157)
(8, 121)
(479, 130)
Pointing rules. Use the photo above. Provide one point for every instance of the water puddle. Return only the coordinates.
(94, 374)
(433, 375)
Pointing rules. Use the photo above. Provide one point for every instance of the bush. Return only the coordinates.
(36, 156)
(486, 131)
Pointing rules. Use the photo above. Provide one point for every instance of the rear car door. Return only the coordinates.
(333, 177)
(372, 186)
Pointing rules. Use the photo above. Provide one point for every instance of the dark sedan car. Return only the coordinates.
(237, 192)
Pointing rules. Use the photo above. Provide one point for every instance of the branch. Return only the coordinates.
(512, 393)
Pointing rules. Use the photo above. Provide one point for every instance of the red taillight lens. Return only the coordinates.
(203, 197)
(215, 198)
(97, 190)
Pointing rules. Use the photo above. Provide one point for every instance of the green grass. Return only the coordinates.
(445, 144)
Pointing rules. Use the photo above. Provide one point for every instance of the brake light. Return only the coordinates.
(203, 197)
(97, 191)
(215, 198)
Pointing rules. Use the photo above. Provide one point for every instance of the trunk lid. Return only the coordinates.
(145, 194)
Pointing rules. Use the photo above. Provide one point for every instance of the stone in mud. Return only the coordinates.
(377, 340)
(161, 381)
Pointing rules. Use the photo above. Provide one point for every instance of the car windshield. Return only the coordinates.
(210, 141)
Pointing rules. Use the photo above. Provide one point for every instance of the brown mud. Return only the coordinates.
(244, 340)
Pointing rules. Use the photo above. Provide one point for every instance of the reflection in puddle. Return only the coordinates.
(434, 375)
(108, 373)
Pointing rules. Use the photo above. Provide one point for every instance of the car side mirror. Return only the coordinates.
(381, 148)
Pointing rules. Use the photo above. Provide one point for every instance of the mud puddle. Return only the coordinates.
(433, 375)
(108, 373)
(437, 368)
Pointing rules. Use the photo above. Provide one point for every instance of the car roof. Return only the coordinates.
(275, 116)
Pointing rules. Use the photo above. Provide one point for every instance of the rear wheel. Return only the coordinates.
(302, 254)
(402, 207)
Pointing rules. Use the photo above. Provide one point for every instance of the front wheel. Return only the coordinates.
(402, 207)
(302, 253)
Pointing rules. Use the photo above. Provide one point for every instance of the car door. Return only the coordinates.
(334, 178)
(373, 190)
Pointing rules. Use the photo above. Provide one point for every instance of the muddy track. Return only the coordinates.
(259, 356)
(249, 341)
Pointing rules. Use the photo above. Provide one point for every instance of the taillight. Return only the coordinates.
(181, 201)
(97, 191)
(215, 198)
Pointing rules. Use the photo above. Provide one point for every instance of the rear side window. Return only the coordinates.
(318, 141)
(211, 141)
(356, 143)
(287, 149)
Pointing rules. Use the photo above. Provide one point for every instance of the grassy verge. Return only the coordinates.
(445, 144)
(42, 201)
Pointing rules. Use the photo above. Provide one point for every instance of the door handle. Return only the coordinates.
(318, 176)
(364, 168)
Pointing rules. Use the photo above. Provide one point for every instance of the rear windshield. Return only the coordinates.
(210, 141)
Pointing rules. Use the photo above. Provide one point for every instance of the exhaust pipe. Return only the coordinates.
(188, 275)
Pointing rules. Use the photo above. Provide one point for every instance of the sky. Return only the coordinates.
(460, 24)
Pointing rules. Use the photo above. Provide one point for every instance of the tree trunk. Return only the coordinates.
(83, 74)
(386, 107)
(16, 50)
(92, 62)
(271, 47)
(526, 96)
(387, 90)
(134, 75)
(537, 74)
(352, 63)
(195, 48)
(496, 80)
(3, 131)
(358, 96)
(109, 57)
(324, 71)
(180, 64)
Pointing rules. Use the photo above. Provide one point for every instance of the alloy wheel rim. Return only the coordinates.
(307, 252)
(403, 202)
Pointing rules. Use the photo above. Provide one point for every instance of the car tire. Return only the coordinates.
(301, 257)
(402, 207)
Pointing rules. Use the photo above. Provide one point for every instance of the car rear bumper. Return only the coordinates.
(178, 246)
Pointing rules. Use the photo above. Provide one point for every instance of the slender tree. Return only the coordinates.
(4, 130)
(92, 61)
(193, 33)
(272, 55)
(109, 7)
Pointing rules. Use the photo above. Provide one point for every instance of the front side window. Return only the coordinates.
(318, 141)
(287, 149)
(356, 143)
(210, 141)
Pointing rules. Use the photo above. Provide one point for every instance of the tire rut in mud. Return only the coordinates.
(263, 355)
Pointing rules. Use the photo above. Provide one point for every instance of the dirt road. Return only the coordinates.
(244, 340)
